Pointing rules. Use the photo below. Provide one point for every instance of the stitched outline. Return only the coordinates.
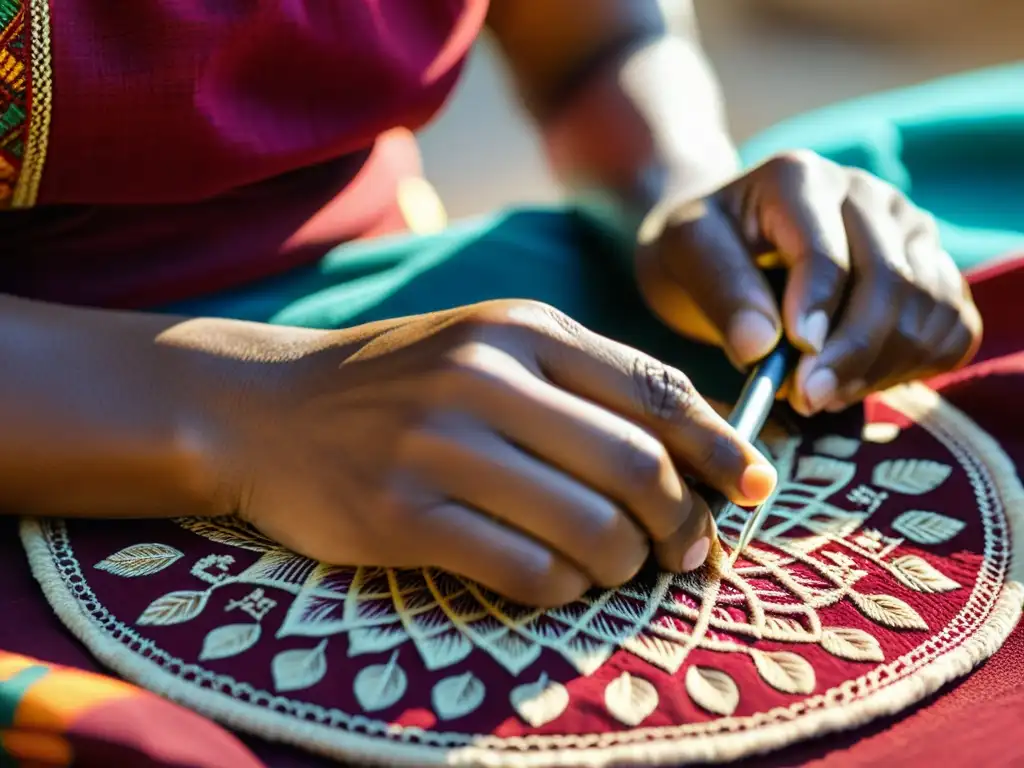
(977, 631)
(40, 106)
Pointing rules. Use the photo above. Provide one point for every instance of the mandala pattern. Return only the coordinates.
(882, 570)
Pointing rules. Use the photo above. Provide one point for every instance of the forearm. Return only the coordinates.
(641, 116)
(95, 415)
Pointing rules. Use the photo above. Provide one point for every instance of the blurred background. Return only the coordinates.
(774, 59)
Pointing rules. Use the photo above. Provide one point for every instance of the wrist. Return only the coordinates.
(242, 380)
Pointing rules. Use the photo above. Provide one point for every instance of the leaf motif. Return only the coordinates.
(174, 608)
(923, 527)
(783, 625)
(852, 644)
(825, 469)
(541, 702)
(712, 690)
(910, 476)
(785, 671)
(299, 668)
(879, 432)
(457, 696)
(888, 611)
(836, 445)
(380, 686)
(229, 640)
(230, 531)
(630, 699)
(140, 560)
(918, 574)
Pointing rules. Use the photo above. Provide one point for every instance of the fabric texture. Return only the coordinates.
(888, 565)
(179, 147)
(386, 279)
(53, 716)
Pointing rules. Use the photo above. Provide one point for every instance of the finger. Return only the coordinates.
(602, 449)
(467, 462)
(650, 393)
(703, 257)
(938, 326)
(868, 319)
(687, 548)
(800, 214)
(458, 539)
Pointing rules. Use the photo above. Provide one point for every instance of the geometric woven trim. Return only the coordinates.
(26, 99)
(973, 635)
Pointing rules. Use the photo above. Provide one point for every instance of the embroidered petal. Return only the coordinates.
(299, 668)
(923, 527)
(712, 690)
(140, 560)
(457, 696)
(910, 476)
(630, 699)
(918, 574)
(381, 686)
(229, 640)
(850, 643)
(541, 702)
(174, 608)
(785, 671)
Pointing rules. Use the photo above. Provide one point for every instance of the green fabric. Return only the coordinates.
(551, 255)
(956, 146)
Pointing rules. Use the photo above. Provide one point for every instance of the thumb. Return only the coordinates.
(704, 256)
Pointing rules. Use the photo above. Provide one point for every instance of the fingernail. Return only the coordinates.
(814, 329)
(696, 554)
(751, 335)
(820, 388)
(757, 481)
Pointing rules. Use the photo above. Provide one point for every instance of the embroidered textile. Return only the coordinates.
(24, 98)
(56, 716)
(883, 571)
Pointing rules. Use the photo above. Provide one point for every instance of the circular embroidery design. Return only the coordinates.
(882, 571)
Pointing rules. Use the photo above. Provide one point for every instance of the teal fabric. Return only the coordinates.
(956, 146)
(553, 255)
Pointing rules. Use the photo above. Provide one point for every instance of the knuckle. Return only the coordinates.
(465, 370)
(525, 314)
(793, 161)
(614, 548)
(864, 184)
(661, 392)
(858, 345)
(643, 460)
(717, 453)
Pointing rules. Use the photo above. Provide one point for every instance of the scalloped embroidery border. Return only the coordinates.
(973, 635)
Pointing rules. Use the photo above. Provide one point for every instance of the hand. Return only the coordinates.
(500, 441)
(871, 298)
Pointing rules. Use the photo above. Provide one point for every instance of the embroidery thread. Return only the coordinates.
(830, 577)
(25, 99)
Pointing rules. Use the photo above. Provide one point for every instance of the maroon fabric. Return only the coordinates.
(973, 719)
(191, 141)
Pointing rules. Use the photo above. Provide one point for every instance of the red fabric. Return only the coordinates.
(975, 719)
(191, 140)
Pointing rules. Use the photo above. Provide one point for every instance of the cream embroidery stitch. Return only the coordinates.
(447, 618)
(823, 553)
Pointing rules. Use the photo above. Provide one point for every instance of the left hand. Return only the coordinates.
(871, 298)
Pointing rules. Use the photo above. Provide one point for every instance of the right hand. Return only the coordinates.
(501, 441)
